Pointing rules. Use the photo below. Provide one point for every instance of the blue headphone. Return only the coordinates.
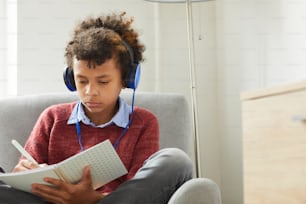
(131, 81)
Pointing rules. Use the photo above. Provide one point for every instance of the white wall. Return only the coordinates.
(44, 29)
(259, 44)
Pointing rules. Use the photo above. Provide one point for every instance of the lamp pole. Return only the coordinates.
(192, 72)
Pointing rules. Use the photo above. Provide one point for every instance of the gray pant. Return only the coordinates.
(154, 183)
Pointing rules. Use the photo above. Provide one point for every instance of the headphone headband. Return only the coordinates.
(129, 49)
(131, 81)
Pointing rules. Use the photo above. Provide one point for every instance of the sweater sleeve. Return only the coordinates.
(37, 143)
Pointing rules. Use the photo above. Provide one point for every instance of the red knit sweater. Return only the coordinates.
(52, 140)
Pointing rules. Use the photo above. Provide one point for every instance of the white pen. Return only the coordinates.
(24, 152)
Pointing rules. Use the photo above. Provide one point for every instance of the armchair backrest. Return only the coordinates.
(19, 114)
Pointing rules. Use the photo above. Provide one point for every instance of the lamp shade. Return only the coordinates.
(176, 1)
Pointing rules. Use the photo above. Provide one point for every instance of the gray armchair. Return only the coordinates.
(18, 115)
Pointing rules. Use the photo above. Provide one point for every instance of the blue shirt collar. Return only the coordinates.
(121, 118)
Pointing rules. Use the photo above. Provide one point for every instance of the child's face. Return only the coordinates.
(98, 88)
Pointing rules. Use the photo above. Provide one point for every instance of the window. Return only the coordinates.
(8, 47)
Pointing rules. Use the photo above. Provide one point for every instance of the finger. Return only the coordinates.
(55, 182)
(24, 165)
(86, 178)
(86, 172)
(48, 193)
(19, 167)
(28, 164)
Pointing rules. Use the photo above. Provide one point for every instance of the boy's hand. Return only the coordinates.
(67, 193)
(24, 164)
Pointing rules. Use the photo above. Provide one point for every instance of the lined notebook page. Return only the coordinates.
(103, 160)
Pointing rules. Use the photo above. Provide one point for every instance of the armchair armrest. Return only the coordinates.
(197, 191)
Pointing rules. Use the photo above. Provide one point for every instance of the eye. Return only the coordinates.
(82, 81)
(103, 82)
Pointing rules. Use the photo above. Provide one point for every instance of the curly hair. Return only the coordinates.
(99, 39)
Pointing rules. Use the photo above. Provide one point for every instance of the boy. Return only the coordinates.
(103, 58)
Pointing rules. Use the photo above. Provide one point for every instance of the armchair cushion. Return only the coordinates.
(19, 114)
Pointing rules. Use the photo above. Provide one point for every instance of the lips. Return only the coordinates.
(93, 104)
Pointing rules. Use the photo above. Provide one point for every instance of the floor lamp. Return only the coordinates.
(192, 76)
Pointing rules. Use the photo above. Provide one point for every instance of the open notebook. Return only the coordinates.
(104, 162)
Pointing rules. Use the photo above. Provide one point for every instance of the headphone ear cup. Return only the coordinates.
(69, 79)
(133, 78)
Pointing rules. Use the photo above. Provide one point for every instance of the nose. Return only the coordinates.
(91, 89)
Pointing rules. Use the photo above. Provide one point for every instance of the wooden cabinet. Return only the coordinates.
(274, 145)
